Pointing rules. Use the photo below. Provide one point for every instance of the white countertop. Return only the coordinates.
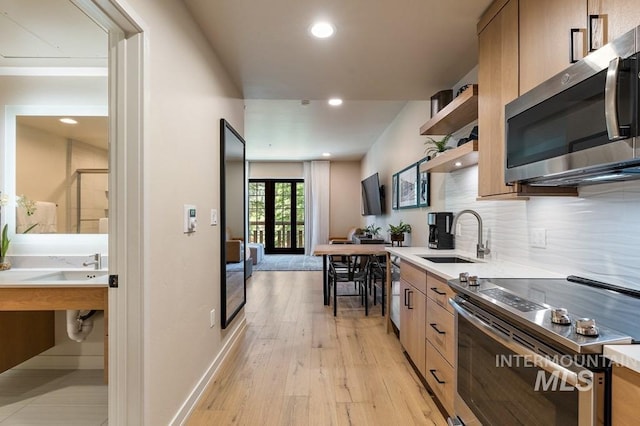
(483, 268)
(43, 277)
(624, 355)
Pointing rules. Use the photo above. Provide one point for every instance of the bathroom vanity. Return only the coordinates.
(28, 300)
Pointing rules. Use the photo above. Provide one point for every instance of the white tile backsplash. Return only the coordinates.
(595, 235)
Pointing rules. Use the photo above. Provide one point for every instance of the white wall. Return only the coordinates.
(399, 146)
(276, 170)
(188, 91)
(344, 198)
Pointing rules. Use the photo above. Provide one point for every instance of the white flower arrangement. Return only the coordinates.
(27, 204)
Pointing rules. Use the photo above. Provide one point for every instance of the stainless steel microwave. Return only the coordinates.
(581, 126)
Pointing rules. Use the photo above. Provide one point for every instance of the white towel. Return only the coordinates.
(45, 216)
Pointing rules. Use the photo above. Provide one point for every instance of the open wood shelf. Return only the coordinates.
(466, 155)
(458, 113)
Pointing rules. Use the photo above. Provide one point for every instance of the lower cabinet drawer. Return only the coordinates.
(440, 330)
(441, 378)
(439, 291)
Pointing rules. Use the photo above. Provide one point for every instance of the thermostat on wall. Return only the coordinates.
(190, 221)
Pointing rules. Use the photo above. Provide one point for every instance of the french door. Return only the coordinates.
(276, 215)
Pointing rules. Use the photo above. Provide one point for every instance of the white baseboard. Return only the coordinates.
(187, 407)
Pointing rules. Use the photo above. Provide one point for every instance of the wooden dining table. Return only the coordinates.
(326, 250)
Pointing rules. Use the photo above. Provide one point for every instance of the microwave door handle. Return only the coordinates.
(570, 377)
(611, 100)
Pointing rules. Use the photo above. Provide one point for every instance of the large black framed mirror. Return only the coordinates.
(232, 223)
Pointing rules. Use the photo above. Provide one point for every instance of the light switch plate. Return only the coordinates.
(214, 217)
(538, 238)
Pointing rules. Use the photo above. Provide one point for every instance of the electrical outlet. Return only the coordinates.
(538, 238)
(212, 318)
(214, 217)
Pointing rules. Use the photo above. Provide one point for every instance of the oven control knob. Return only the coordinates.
(464, 277)
(586, 327)
(473, 280)
(560, 316)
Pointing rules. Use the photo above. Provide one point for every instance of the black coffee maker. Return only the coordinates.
(440, 232)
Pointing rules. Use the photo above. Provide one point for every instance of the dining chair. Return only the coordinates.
(378, 278)
(355, 270)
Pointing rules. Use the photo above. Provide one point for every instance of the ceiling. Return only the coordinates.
(383, 54)
(89, 129)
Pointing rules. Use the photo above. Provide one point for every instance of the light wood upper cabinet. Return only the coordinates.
(550, 32)
(497, 85)
(612, 19)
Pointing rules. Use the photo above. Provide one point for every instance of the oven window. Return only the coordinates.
(571, 121)
(500, 388)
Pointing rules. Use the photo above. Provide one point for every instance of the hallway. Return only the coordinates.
(298, 365)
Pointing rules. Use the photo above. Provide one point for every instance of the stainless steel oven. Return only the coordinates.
(507, 377)
(529, 351)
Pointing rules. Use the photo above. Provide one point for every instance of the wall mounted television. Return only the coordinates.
(372, 196)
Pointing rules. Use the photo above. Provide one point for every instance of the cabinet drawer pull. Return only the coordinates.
(433, 373)
(409, 304)
(434, 326)
(406, 302)
(572, 55)
(438, 292)
(593, 27)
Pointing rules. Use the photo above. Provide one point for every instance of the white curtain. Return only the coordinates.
(316, 195)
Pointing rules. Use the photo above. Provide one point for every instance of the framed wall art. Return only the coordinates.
(408, 187)
(394, 191)
(424, 186)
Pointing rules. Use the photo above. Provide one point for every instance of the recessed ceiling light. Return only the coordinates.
(335, 102)
(67, 120)
(457, 164)
(322, 30)
(326, 154)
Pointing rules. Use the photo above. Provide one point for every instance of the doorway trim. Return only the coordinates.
(127, 84)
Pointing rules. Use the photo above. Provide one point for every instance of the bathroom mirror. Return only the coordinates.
(23, 169)
(232, 223)
(62, 174)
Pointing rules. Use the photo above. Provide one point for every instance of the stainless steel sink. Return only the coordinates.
(447, 259)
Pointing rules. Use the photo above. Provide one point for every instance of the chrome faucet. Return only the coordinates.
(97, 261)
(481, 250)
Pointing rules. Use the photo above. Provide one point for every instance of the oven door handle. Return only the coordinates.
(583, 379)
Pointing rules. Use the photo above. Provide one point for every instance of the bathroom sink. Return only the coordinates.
(68, 276)
(447, 259)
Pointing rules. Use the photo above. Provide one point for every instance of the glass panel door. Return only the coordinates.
(276, 215)
(257, 205)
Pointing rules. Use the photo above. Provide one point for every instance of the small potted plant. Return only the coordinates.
(373, 230)
(397, 232)
(4, 247)
(437, 147)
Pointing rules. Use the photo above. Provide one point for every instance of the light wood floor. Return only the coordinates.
(298, 365)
